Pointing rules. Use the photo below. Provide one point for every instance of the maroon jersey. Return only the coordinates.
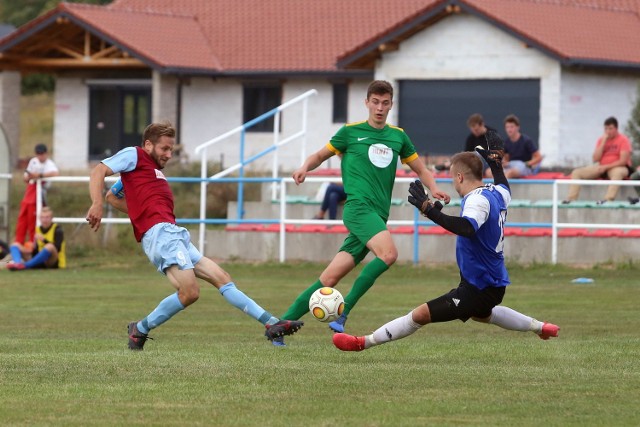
(149, 198)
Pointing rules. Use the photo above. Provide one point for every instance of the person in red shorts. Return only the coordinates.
(40, 166)
(611, 159)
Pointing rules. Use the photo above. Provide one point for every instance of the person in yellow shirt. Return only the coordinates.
(48, 249)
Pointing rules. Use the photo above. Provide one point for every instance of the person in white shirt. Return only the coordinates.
(40, 166)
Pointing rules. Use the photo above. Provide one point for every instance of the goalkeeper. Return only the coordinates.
(479, 246)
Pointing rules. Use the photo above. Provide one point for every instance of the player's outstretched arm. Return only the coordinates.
(96, 184)
(427, 178)
(455, 224)
(312, 162)
(493, 153)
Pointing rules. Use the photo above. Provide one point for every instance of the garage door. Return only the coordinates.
(434, 112)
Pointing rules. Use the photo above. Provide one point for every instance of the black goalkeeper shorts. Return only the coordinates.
(464, 302)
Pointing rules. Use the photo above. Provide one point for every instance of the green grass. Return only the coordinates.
(63, 359)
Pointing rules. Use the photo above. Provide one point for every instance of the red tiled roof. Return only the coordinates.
(604, 32)
(169, 40)
(284, 35)
(576, 30)
(319, 36)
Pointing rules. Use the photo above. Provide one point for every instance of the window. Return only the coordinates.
(259, 98)
(340, 98)
(118, 116)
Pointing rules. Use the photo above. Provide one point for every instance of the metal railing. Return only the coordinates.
(555, 224)
(277, 143)
(283, 219)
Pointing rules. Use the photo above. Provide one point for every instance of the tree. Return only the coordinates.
(18, 13)
(633, 127)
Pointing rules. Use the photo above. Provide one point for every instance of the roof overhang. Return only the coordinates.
(60, 41)
(365, 55)
(73, 37)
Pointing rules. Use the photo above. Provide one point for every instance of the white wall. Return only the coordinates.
(466, 47)
(71, 124)
(211, 108)
(10, 112)
(573, 104)
(587, 99)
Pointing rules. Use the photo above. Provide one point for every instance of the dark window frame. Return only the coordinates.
(259, 98)
(340, 111)
(117, 137)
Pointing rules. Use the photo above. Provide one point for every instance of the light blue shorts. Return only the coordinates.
(167, 244)
(521, 167)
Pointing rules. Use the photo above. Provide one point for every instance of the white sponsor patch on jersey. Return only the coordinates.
(160, 175)
(380, 155)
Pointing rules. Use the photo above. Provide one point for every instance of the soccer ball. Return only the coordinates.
(326, 304)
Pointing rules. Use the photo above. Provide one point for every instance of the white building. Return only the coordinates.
(209, 65)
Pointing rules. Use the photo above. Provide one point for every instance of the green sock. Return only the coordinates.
(300, 306)
(363, 282)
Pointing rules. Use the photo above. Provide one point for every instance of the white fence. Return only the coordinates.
(555, 225)
(283, 220)
(276, 113)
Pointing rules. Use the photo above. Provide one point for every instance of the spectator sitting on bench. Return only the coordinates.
(333, 196)
(521, 154)
(48, 250)
(612, 159)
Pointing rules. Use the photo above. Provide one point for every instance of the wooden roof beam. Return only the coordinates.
(87, 44)
(68, 51)
(80, 63)
(105, 52)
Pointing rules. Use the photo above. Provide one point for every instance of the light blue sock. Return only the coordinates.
(40, 258)
(167, 308)
(16, 255)
(238, 299)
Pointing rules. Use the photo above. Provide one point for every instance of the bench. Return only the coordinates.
(438, 231)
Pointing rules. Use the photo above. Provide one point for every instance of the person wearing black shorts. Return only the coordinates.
(479, 254)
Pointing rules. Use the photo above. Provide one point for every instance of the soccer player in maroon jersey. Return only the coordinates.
(144, 194)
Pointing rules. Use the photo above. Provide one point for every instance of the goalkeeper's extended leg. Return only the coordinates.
(510, 319)
(394, 330)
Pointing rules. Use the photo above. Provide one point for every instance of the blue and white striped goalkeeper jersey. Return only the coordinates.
(480, 258)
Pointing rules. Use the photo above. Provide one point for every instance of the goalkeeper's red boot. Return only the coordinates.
(136, 338)
(549, 330)
(346, 342)
(282, 328)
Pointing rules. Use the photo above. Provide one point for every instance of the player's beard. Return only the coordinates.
(158, 159)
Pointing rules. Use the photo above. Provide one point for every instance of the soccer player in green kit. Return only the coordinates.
(370, 150)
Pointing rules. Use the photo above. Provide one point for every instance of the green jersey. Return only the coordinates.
(369, 162)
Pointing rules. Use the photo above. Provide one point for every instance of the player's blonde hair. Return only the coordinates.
(154, 131)
(468, 164)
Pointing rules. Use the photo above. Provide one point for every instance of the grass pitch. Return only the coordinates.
(63, 356)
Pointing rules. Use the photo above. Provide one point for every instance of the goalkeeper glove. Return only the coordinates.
(419, 198)
(495, 148)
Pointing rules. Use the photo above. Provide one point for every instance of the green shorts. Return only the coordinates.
(363, 223)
